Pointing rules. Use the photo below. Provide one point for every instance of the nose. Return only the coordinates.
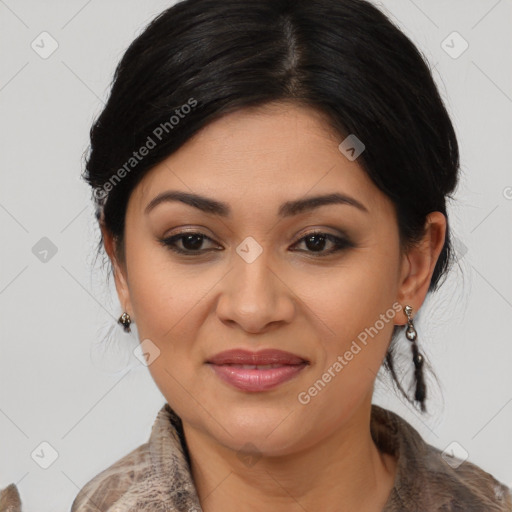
(255, 296)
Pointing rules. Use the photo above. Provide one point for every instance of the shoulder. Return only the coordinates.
(154, 476)
(430, 479)
(10, 499)
(108, 486)
(463, 484)
(102, 491)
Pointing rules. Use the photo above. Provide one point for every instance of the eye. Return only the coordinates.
(191, 242)
(316, 241)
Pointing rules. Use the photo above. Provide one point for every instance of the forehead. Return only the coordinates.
(259, 156)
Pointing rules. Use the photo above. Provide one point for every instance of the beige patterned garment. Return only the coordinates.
(155, 477)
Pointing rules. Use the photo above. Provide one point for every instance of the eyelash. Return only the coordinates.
(339, 243)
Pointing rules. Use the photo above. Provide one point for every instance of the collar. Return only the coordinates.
(156, 476)
(424, 480)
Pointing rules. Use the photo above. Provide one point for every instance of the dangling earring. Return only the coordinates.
(125, 321)
(417, 358)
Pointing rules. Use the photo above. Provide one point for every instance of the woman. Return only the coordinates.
(271, 181)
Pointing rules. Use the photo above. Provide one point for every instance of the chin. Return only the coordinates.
(260, 445)
(272, 431)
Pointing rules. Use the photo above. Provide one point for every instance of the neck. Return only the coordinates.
(344, 468)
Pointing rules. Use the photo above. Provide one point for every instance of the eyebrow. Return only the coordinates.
(287, 209)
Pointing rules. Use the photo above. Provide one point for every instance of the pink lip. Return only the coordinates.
(229, 366)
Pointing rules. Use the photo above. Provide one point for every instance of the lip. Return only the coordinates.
(234, 368)
(262, 357)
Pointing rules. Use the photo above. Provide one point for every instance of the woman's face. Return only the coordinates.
(257, 281)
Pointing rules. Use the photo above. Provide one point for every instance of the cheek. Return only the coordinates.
(162, 294)
(352, 297)
(169, 302)
(357, 308)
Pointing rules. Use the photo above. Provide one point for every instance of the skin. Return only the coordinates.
(307, 457)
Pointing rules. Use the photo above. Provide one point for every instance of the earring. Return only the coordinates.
(125, 321)
(417, 358)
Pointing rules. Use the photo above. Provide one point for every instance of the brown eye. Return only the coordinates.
(191, 242)
(317, 241)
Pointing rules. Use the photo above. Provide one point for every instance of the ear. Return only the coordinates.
(120, 274)
(418, 264)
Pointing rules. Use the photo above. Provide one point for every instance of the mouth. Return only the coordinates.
(256, 371)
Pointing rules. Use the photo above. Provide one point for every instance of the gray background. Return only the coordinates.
(92, 404)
